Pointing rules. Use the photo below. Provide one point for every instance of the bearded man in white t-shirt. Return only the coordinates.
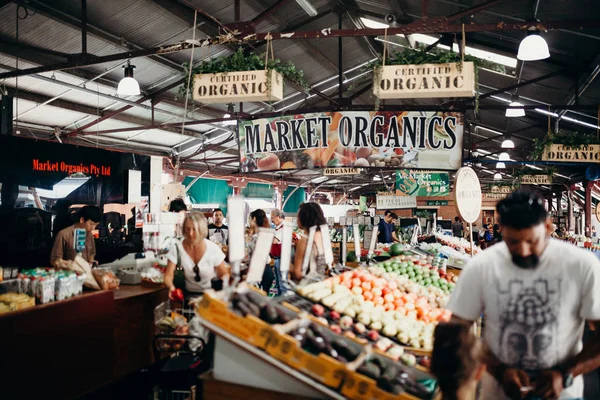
(536, 294)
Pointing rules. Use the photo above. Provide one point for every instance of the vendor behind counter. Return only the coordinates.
(63, 251)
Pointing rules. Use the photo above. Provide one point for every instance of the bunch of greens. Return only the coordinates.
(242, 61)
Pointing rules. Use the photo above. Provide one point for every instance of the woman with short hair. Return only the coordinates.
(200, 259)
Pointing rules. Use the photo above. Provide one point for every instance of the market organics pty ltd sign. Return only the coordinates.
(425, 81)
(398, 139)
(585, 154)
(61, 166)
(536, 180)
(385, 201)
(240, 86)
(423, 183)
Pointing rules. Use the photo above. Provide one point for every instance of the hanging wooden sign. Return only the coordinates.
(341, 171)
(536, 180)
(227, 87)
(467, 194)
(501, 189)
(425, 81)
(584, 154)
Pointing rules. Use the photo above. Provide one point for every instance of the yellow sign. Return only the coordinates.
(502, 189)
(584, 154)
(234, 87)
(341, 171)
(536, 180)
(494, 196)
(425, 81)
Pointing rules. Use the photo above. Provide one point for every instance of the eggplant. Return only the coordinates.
(283, 316)
(370, 370)
(268, 313)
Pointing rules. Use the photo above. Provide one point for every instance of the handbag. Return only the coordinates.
(178, 275)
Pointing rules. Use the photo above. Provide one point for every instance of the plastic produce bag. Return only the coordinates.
(82, 266)
(106, 279)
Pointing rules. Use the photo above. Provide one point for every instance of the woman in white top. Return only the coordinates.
(200, 259)
(309, 215)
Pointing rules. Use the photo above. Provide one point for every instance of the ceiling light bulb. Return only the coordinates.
(515, 112)
(503, 156)
(128, 86)
(497, 176)
(500, 165)
(508, 144)
(229, 123)
(533, 47)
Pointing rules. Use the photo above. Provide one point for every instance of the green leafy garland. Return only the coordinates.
(239, 61)
(571, 140)
(547, 171)
(419, 56)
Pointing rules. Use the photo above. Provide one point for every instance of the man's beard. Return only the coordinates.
(528, 262)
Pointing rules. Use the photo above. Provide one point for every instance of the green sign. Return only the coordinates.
(423, 183)
(436, 202)
(362, 207)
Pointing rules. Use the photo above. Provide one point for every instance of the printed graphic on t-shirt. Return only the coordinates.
(529, 323)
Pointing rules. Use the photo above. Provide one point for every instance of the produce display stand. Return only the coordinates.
(237, 361)
(214, 389)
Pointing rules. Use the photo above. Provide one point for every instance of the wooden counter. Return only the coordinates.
(65, 349)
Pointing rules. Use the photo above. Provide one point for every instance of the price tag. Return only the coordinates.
(343, 221)
(376, 220)
(260, 256)
(373, 239)
(286, 249)
(356, 232)
(344, 245)
(235, 218)
(331, 221)
(361, 220)
(327, 245)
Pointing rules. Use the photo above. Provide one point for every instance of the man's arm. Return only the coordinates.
(57, 250)
(588, 358)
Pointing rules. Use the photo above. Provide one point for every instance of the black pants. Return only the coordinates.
(267, 279)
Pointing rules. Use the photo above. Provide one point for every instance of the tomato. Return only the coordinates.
(380, 282)
(386, 290)
(356, 282)
(378, 300)
(348, 283)
(392, 285)
(421, 302)
(389, 306)
(409, 306)
(397, 293)
(401, 310)
(398, 302)
(377, 291)
(426, 319)
(407, 298)
(367, 295)
(412, 314)
(389, 298)
(366, 285)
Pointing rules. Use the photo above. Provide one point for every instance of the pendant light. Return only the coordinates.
(497, 176)
(533, 47)
(508, 144)
(503, 156)
(128, 85)
(500, 165)
(515, 112)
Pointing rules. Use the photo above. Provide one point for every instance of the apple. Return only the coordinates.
(269, 163)
(318, 310)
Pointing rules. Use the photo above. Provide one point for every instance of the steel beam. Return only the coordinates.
(269, 11)
(522, 83)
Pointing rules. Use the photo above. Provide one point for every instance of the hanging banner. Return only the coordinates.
(399, 139)
(536, 180)
(584, 154)
(423, 183)
(425, 81)
(387, 202)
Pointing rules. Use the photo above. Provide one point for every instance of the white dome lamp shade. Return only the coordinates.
(128, 86)
(500, 165)
(533, 47)
(503, 156)
(515, 112)
(497, 176)
(508, 144)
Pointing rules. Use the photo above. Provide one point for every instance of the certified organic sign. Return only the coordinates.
(423, 183)
(501, 189)
(536, 180)
(425, 81)
(467, 193)
(238, 86)
(386, 201)
(585, 154)
(398, 140)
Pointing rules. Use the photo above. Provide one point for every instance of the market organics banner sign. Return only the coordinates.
(425, 81)
(536, 180)
(386, 201)
(398, 139)
(584, 154)
(423, 183)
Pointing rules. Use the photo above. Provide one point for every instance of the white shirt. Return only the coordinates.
(212, 258)
(534, 318)
(279, 232)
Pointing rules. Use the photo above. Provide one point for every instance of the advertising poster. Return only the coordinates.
(423, 183)
(395, 139)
